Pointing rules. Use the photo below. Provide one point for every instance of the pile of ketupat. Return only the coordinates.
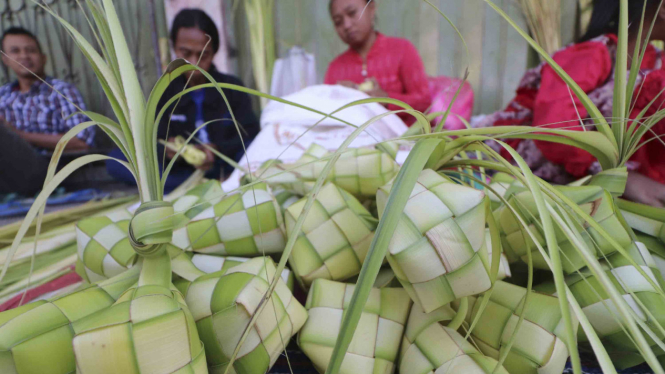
(403, 265)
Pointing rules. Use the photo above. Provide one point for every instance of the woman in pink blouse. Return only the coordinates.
(393, 65)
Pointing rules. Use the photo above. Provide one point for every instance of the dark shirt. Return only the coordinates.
(222, 134)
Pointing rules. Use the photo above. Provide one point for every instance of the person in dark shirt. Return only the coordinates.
(195, 39)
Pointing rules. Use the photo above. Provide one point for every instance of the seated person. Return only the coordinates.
(393, 65)
(35, 111)
(189, 35)
(544, 100)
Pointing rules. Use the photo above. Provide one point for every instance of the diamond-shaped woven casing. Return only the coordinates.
(148, 330)
(37, 337)
(360, 171)
(375, 344)
(248, 223)
(602, 313)
(429, 346)
(211, 264)
(649, 225)
(592, 199)
(504, 265)
(195, 201)
(435, 250)
(538, 347)
(103, 245)
(335, 237)
(222, 304)
(103, 242)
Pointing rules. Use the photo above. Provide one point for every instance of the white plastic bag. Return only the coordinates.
(293, 73)
(287, 131)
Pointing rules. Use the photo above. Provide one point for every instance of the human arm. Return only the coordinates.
(46, 141)
(589, 65)
(68, 116)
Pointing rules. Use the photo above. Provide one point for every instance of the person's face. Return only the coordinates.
(350, 26)
(23, 50)
(190, 44)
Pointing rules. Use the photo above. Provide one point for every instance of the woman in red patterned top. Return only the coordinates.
(393, 65)
(544, 100)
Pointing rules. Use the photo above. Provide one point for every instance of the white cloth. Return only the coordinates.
(282, 124)
(293, 73)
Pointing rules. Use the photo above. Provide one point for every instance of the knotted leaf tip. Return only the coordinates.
(151, 228)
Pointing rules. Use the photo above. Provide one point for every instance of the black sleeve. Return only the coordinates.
(241, 104)
(163, 122)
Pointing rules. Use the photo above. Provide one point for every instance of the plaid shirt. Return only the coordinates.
(43, 110)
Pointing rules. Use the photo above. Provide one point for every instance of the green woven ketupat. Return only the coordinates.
(222, 304)
(37, 338)
(103, 246)
(212, 264)
(595, 201)
(334, 239)
(103, 242)
(504, 263)
(375, 344)
(538, 347)
(285, 198)
(360, 171)
(429, 346)
(649, 225)
(437, 249)
(195, 201)
(249, 223)
(602, 313)
(151, 331)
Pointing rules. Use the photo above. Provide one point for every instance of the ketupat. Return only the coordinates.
(649, 225)
(360, 171)
(222, 304)
(595, 201)
(375, 345)
(646, 303)
(335, 238)
(436, 248)
(504, 263)
(430, 346)
(37, 338)
(538, 347)
(248, 223)
(211, 264)
(148, 330)
(103, 243)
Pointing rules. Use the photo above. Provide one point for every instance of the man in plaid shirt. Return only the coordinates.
(34, 114)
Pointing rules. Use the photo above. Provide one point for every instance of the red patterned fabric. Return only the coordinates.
(396, 65)
(33, 293)
(544, 100)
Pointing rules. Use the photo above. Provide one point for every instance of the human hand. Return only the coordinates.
(210, 157)
(348, 84)
(376, 90)
(644, 190)
(170, 153)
